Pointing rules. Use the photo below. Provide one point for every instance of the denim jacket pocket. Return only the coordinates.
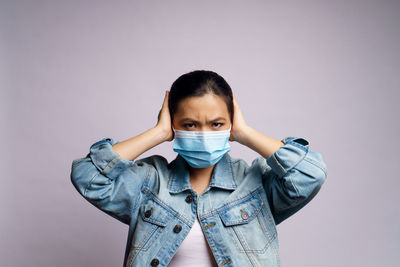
(249, 225)
(151, 221)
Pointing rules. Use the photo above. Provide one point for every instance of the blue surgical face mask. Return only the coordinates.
(202, 149)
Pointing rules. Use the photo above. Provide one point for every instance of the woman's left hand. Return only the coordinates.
(249, 137)
(239, 125)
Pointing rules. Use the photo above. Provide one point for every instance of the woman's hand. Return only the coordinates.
(131, 148)
(250, 137)
(164, 120)
(239, 126)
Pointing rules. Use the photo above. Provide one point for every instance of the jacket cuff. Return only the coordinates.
(106, 160)
(288, 155)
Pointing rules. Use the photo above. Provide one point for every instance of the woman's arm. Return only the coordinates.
(249, 137)
(292, 174)
(259, 142)
(102, 177)
(135, 146)
(131, 148)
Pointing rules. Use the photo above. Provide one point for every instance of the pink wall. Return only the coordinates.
(73, 72)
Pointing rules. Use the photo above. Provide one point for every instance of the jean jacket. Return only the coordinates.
(238, 211)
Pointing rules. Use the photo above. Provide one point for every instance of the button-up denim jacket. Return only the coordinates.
(238, 211)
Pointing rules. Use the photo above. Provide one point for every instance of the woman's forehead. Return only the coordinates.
(210, 119)
(209, 105)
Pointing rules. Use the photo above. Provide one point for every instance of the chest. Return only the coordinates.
(239, 232)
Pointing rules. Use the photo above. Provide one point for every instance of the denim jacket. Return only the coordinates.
(238, 211)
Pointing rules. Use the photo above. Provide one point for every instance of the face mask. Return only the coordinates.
(202, 149)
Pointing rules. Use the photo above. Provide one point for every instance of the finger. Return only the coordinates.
(235, 104)
(234, 98)
(165, 103)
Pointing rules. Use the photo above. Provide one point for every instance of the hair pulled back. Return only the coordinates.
(199, 83)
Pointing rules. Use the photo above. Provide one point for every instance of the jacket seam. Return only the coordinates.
(278, 163)
(302, 147)
(289, 175)
(172, 211)
(298, 198)
(294, 204)
(315, 163)
(236, 201)
(109, 165)
(130, 258)
(90, 183)
(231, 173)
(139, 197)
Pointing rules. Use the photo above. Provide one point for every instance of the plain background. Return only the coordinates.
(74, 72)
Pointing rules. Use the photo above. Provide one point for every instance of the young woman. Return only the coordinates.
(204, 208)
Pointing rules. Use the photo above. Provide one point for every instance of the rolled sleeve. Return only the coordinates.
(106, 160)
(288, 155)
(293, 178)
(109, 182)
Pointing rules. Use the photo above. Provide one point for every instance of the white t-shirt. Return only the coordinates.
(194, 250)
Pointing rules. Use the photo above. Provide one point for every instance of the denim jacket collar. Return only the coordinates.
(222, 175)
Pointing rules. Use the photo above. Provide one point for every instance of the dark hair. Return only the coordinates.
(199, 83)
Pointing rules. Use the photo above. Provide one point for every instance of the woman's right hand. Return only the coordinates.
(164, 120)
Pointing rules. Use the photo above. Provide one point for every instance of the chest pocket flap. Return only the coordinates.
(151, 223)
(241, 213)
(247, 225)
(154, 213)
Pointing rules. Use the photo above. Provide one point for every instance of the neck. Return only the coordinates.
(200, 172)
(200, 178)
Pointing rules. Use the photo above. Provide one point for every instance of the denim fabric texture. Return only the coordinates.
(238, 211)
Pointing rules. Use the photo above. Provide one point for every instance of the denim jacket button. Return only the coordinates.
(245, 215)
(155, 262)
(147, 213)
(189, 198)
(177, 228)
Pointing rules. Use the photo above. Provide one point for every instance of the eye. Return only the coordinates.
(187, 125)
(216, 123)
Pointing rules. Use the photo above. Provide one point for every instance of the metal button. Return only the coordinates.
(154, 262)
(147, 213)
(177, 228)
(189, 198)
(245, 215)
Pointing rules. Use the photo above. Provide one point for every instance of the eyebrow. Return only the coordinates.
(189, 119)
